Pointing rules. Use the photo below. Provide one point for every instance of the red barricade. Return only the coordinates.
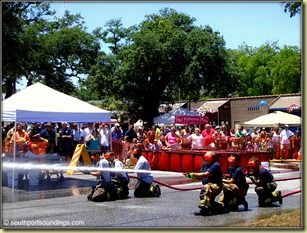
(198, 161)
(192, 160)
(187, 164)
(164, 161)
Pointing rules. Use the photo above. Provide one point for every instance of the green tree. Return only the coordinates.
(254, 70)
(40, 49)
(286, 71)
(68, 51)
(292, 7)
(17, 48)
(169, 56)
(114, 35)
(267, 70)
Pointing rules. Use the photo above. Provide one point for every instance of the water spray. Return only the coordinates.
(61, 167)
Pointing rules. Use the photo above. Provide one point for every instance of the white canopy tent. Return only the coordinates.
(275, 119)
(39, 103)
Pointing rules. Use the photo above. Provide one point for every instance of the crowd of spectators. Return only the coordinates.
(62, 138)
(283, 143)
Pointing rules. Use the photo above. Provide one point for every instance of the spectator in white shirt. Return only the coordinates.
(285, 143)
(196, 139)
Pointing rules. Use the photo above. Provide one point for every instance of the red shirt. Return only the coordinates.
(208, 136)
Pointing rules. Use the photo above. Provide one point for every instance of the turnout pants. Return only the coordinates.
(100, 192)
(144, 189)
(119, 188)
(233, 195)
(266, 194)
(209, 192)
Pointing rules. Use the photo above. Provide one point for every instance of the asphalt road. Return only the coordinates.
(68, 207)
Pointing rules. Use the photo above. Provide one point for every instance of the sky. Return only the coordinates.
(253, 23)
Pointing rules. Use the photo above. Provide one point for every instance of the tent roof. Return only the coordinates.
(169, 118)
(41, 103)
(273, 119)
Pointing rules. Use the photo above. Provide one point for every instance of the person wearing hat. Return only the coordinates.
(285, 143)
(49, 135)
(265, 184)
(235, 186)
(211, 176)
(117, 132)
(155, 147)
(144, 187)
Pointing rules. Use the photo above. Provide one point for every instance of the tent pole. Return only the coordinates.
(14, 156)
(110, 137)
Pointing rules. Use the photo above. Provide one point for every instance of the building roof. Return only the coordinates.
(193, 105)
(215, 104)
(283, 102)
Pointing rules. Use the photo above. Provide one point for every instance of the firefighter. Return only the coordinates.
(119, 179)
(102, 191)
(144, 187)
(211, 175)
(235, 187)
(265, 184)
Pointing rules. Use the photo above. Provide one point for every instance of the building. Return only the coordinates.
(234, 111)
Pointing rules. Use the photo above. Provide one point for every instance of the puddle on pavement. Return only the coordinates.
(45, 189)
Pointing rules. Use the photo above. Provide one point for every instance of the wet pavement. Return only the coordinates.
(63, 202)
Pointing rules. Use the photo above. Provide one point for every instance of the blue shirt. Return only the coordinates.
(215, 169)
(265, 175)
(238, 175)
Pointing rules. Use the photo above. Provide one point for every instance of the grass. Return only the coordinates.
(292, 219)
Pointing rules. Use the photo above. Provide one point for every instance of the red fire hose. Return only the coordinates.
(200, 187)
(291, 193)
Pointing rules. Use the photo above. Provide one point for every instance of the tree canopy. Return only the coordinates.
(292, 8)
(40, 49)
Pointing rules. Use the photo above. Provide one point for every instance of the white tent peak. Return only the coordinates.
(275, 119)
(42, 103)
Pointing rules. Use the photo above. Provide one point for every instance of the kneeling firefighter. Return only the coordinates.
(211, 175)
(119, 179)
(144, 187)
(265, 184)
(235, 187)
(102, 191)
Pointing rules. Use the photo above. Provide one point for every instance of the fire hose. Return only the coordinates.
(200, 187)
